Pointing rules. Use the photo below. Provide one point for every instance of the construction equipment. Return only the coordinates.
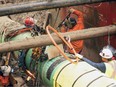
(51, 71)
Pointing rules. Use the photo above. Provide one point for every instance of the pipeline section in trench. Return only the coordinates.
(59, 72)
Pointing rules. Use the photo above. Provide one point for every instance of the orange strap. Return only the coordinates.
(30, 74)
(68, 44)
(19, 32)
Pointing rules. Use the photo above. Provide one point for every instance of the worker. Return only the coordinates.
(4, 75)
(108, 66)
(29, 22)
(71, 24)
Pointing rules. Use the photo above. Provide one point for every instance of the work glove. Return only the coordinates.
(71, 10)
(79, 56)
(5, 70)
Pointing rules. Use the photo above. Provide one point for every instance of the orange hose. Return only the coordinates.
(19, 32)
(68, 44)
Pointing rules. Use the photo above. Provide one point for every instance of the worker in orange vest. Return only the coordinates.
(70, 25)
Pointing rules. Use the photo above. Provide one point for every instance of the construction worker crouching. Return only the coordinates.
(70, 24)
(108, 66)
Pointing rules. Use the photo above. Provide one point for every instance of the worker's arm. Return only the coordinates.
(78, 13)
(100, 66)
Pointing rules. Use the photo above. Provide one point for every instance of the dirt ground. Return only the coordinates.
(37, 15)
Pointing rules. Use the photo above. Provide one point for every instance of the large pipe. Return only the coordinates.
(36, 6)
(59, 72)
(44, 40)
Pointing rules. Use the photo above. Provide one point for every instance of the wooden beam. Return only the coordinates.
(44, 40)
(36, 6)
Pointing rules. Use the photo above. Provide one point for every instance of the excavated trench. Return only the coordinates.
(14, 22)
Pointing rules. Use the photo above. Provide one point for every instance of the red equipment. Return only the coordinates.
(4, 80)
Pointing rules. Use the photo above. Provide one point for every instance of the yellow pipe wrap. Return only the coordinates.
(80, 75)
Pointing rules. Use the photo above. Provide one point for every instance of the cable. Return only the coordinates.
(63, 54)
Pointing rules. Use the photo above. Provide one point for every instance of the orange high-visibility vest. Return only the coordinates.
(78, 45)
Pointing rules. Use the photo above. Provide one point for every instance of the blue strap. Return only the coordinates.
(22, 59)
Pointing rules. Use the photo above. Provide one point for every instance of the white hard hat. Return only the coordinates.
(113, 50)
(106, 53)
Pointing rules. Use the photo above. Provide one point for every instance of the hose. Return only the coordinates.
(63, 54)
